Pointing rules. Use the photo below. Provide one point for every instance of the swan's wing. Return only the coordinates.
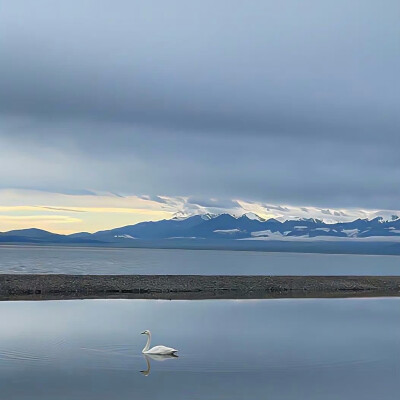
(161, 350)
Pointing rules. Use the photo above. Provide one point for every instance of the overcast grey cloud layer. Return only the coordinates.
(282, 101)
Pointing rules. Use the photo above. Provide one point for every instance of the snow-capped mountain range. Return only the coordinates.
(223, 227)
(250, 227)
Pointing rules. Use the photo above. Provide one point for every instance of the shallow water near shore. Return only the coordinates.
(120, 261)
(248, 349)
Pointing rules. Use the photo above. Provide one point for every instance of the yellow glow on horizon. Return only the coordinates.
(49, 218)
(86, 219)
(62, 213)
(49, 208)
(52, 223)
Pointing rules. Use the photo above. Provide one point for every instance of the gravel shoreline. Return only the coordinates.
(192, 287)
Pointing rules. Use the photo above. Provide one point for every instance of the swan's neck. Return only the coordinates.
(148, 342)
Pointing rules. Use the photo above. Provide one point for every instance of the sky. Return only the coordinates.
(115, 112)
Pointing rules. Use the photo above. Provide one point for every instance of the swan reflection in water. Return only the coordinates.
(155, 357)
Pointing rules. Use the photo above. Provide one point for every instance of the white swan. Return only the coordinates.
(162, 350)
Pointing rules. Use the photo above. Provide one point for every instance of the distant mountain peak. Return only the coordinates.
(208, 216)
(181, 215)
(274, 220)
(385, 220)
(312, 220)
(253, 216)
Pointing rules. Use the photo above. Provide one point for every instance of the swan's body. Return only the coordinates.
(160, 350)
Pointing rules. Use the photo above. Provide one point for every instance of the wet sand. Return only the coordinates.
(192, 287)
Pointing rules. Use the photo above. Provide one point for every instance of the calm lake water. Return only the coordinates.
(268, 349)
(73, 260)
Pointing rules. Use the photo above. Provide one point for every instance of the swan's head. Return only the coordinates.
(146, 332)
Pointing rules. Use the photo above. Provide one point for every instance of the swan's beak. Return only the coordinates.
(143, 333)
